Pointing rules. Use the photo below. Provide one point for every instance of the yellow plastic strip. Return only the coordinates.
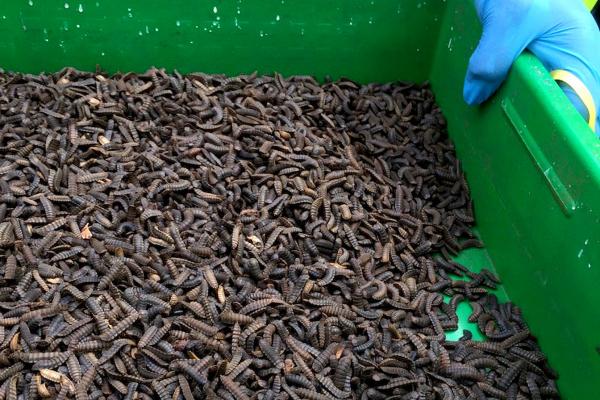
(590, 3)
(581, 90)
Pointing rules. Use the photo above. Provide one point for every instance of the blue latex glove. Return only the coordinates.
(561, 33)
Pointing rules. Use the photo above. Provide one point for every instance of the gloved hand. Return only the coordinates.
(561, 33)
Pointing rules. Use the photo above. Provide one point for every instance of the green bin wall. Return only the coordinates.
(532, 163)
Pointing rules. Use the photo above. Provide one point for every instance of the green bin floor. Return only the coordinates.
(475, 260)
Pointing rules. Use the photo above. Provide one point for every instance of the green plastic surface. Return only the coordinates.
(532, 163)
(476, 260)
(354, 38)
(534, 171)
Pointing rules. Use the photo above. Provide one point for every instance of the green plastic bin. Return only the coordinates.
(532, 163)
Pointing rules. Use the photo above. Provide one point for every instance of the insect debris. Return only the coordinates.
(241, 237)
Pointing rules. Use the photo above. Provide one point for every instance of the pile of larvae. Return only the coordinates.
(253, 237)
